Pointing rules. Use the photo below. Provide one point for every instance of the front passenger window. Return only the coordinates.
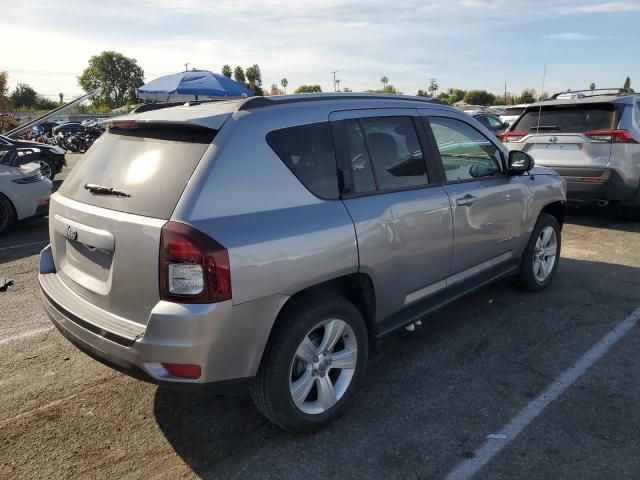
(466, 153)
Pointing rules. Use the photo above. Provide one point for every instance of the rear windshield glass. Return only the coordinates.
(513, 111)
(151, 165)
(568, 118)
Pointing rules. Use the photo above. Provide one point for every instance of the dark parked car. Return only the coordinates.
(492, 122)
(51, 157)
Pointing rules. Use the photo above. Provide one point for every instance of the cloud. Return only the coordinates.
(606, 7)
(571, 36)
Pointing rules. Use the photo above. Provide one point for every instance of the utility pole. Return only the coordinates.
(186, 66)
(334, 79)
(338, 85)
(505, 93)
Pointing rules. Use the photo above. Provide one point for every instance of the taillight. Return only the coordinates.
(612, 136)
(193, 267)
(507, 137)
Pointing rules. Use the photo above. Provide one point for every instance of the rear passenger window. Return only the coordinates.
(308, 151)
(384, 154)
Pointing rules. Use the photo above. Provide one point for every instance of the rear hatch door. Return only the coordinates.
(566, 135)
(105, 243)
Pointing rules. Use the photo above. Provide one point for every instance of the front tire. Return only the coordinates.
(313, 363)
(542, 255)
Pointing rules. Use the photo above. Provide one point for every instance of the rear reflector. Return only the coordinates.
(182, 370)
(612, 136)
(507, 137)
(591, 180)
(44, 201)
(193, 267)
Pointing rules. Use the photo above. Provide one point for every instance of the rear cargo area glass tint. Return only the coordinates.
(151, 165)
(568, 118)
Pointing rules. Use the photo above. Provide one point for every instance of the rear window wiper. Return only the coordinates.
(102, 190)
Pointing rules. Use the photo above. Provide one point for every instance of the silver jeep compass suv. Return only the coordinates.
(265, 244)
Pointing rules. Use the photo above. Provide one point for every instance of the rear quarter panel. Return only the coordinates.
(281, 238)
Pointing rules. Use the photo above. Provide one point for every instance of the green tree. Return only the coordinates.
(117, 76)
(592, 86)
(254, 76)
(61, 95)
(627, 83)
(387, 89)
(384, 81)
(5, 102)
(479, 97)
(528, 95)
(24, 96)
(284, 82)
(42, 103)
(308, 89)
(226, 71)
(238, 75)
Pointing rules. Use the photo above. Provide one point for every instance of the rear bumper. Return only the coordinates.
(588, 184)
(225, 340)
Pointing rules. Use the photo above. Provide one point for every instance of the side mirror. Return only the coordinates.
(505, 124)
(520, 162)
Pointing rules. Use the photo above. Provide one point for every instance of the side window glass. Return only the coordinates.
(465, 152)
(484, 120)
(358, 155)
(494, 123)
(308, 152)
(395, 152)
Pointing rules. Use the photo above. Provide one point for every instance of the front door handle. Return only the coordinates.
(465, 201)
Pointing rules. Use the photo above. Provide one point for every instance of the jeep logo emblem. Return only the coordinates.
(72, 233)
(553, 139)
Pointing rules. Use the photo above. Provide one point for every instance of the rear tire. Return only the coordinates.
(313, 363)
(7, 214)
(541, 257)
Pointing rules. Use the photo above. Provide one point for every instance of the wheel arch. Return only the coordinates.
(355, 287)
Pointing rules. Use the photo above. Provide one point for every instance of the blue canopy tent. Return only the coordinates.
(192, 85)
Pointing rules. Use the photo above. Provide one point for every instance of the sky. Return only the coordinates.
(462, 44)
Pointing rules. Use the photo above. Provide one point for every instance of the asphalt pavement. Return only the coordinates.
(429, 402)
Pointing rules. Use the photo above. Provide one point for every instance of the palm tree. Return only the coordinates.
(252, 76)
(384, 81)
(226, 71)
(284, 82)
(61, 95)
(238, 75)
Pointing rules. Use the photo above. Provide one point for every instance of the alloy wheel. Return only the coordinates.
(545, 253)
(323, 366)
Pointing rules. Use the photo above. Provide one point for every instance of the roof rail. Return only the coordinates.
(259, 102)
(601, 91)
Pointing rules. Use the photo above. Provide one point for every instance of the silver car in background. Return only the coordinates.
(265, 244)
(592, 141)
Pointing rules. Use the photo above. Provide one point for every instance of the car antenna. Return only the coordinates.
(544, 75)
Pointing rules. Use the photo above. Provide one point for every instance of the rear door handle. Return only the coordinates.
(465, 201)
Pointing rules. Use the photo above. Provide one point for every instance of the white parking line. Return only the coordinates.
(468, 468)
(30, 333)
(24, 245)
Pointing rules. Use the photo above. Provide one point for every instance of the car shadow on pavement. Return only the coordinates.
(598, 217)
(429, 397)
